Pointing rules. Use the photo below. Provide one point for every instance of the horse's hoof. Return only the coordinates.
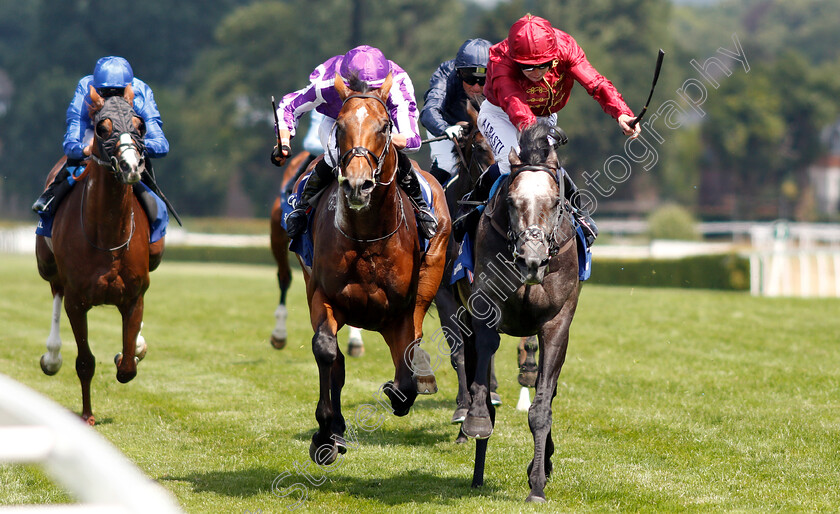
(277, 343)
(323, 455)
(459, 416)
(89, 419)
(340, 443)
(533, 498)
(495, 399)
(118, 360)
(426, 384)
(50, 370)
(355, 350)
(527, 378)
(124, 378)
(477, 427)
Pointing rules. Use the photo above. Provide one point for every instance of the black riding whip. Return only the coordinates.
(655, 78)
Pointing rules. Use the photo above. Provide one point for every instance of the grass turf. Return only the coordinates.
(670, 400)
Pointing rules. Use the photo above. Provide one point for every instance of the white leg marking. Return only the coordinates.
(280, 315)
(355, 338)
(51, 360)
(524, 399)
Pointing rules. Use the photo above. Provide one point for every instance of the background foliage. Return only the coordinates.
(214, 65)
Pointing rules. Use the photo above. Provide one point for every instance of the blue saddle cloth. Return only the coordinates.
(464, 266)
(157, 228)
(303, 244)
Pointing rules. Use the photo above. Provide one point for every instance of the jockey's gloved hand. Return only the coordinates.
(454, 131)
(277, 157)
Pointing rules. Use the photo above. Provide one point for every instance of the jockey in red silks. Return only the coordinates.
(529, 79)
(369, 65)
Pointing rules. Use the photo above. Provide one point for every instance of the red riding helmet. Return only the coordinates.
(531, 40)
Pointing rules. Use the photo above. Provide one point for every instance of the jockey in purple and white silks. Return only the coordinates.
(369, 65)
(110, 77)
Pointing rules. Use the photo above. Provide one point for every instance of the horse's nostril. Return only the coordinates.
(368, 185)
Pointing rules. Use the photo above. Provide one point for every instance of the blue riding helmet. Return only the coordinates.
(474, 53)
(112, 72)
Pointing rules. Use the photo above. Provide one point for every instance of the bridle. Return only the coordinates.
(373, 161)
(535, 233)
(116, 143)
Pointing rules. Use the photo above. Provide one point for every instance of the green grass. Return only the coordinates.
(670, 400)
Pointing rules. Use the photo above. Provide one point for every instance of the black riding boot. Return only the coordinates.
(480, 194)
(409, 183)
(322, 175)
(439, 173)
(51, 197)
(590, 229)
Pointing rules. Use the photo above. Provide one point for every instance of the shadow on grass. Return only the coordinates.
(408, 486)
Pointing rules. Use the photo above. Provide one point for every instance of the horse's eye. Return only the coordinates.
(103, 129)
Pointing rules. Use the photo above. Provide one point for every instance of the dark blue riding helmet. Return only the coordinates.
(474, 53)
(112, 72)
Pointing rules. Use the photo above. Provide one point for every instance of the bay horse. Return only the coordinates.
(99, 252)
(526, 283)
(368, 268)
(296, 167)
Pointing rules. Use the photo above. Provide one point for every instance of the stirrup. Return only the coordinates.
(42, 204)
(296, 222)
(426, 222)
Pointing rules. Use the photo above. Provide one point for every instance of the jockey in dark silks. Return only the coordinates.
(110, 77)
(444, 104)
(369, 65)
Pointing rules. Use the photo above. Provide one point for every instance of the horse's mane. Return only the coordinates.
(534, 144)
(356, 84)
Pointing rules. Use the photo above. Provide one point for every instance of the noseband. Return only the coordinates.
(535, 233)
(373, 161)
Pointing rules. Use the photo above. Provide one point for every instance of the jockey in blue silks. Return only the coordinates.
(444, 104)
(370, 66)
(110, 77)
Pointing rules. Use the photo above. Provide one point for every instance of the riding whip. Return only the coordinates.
(655, 78)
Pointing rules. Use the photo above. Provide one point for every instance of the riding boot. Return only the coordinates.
(408, 181)
(439, 173)
(52, 195)
(468, 222)
(581, 214)
(322, 175)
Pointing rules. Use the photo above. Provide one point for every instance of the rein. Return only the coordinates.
(361, 151)
(373, 240)
(82, 225)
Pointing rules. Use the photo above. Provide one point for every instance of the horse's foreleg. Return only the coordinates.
(51, 361)
(448, 311)
(402, 391)
(355, 345)
(280, 251)
(324, 450)
(554, 341)
(85, 362)
(481, 416)
(126, 361)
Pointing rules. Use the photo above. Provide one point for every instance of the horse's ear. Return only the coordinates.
(513, 157)
(129, 94)
(341, 87)
(385, 88)
(96, 100)
(553, 161)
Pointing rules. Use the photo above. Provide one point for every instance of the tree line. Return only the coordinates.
(215, 64)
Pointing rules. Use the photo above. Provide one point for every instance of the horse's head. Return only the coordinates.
(118, 133)
(535, 203)
(363, 132)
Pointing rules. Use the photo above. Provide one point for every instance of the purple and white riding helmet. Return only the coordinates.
(367, 63)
